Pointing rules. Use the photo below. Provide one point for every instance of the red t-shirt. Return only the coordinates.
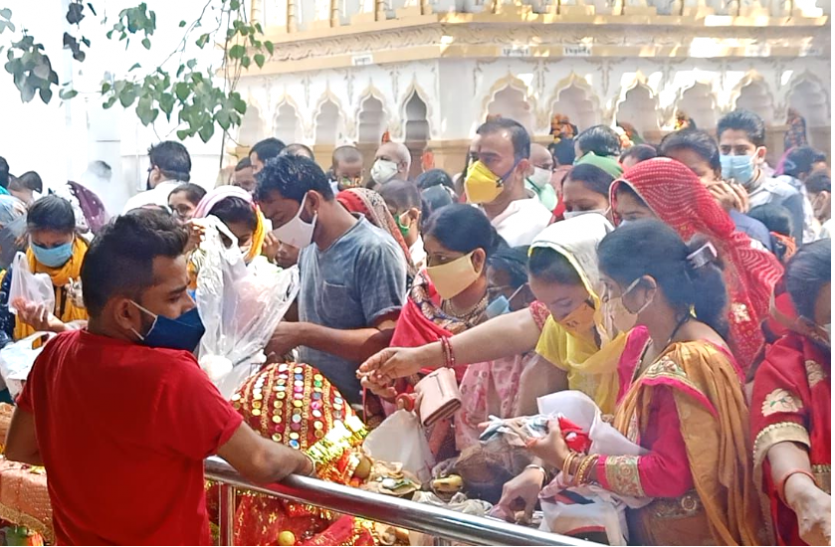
(123, 430)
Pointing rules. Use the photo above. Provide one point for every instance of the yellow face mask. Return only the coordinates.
(482, 185)
(452, 278)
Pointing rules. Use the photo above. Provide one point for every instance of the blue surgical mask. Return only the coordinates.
(54, 257)
(499, 306)
(183, 333)
(738, 168)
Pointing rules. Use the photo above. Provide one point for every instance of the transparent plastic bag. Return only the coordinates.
(16, 360)
(401, 439)
(29, 287)
(240, 308)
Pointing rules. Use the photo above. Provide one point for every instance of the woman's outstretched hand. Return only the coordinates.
(390, 364)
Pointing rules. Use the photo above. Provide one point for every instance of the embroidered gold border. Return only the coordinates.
(823, 476)
(778, 433)
(622, 475)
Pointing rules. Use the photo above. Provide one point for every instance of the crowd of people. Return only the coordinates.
(683, 287)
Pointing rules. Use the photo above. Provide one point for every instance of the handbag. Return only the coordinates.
(438, 395)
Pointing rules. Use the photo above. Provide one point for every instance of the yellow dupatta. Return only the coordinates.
(713, 416)
(590, 369)
(60, 277)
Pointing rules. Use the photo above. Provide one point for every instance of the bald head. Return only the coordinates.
(541, 157)
(397, 154)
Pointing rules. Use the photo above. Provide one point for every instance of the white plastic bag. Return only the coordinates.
(605, 511)
(401, 439)
(35, 288)
(16, 360)
(240, 308)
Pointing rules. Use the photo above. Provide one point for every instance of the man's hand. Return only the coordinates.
(270, 246)
(287, 336)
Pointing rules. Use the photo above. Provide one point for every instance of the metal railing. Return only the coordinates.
(429, 519)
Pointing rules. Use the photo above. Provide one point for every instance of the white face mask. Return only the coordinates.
(540, 177)
(297, 233)
(383, 171)
(574, 214)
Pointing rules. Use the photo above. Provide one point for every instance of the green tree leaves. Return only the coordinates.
(194, 97)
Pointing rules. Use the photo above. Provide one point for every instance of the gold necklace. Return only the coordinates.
(465, 315)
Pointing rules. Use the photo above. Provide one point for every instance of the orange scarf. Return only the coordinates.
(65, 308)
(714, 424)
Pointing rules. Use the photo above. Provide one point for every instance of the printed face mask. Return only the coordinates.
(183, 333)
(383, 171)
(297, 233)
(452, 278)
(580, 320)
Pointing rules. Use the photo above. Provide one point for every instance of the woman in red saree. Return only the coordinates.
(792, 407)
(684, 405)
(666, 189)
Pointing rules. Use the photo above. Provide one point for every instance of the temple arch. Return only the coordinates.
(698, 102)
(639, 108)
(579, 104)
(252, 127)
(287, 125)
(371, 120)
(755, 96)
(510, 102)
(327, 123)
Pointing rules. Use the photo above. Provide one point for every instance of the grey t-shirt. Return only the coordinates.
(349, 285)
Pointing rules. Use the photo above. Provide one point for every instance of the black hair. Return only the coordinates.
(433, 177)
(120, 260)
(462, 228)
(4, 172)
(172, 160)
(51, 213)
(641, 152)
(403, 195)
(194, 192)
(243, 164)
(548, 265)
(563, 151)
(807, 273)
(696, 140)
(233, 210)
(29, 180)
(346, 153)
(592, 177)
(650, 247)
(267, 149)
(800, 160)
(297, 149)
(625, 188)
(743, 120)
(519, 137)
(514, 261)
(818, 182)
(292, 177)
(775, 217)
(600, 139)
(432, 199)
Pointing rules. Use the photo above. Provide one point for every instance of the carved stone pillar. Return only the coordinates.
(574, 7)
(256, 11)
(292, 15)
(324, 11)
(370, 11)
(638, 7)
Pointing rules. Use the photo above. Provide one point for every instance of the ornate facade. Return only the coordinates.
(428, 72)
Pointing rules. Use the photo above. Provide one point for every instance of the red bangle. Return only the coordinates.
(449, 356)
(781, 486)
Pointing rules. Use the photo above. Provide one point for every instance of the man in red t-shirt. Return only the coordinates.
(121, 414)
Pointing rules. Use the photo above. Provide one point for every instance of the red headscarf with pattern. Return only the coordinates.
(678, 198)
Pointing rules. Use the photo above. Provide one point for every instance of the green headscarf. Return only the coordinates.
(610, 164)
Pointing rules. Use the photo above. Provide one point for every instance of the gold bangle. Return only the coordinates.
(584, 464)
(566, 463)
(590, 462)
